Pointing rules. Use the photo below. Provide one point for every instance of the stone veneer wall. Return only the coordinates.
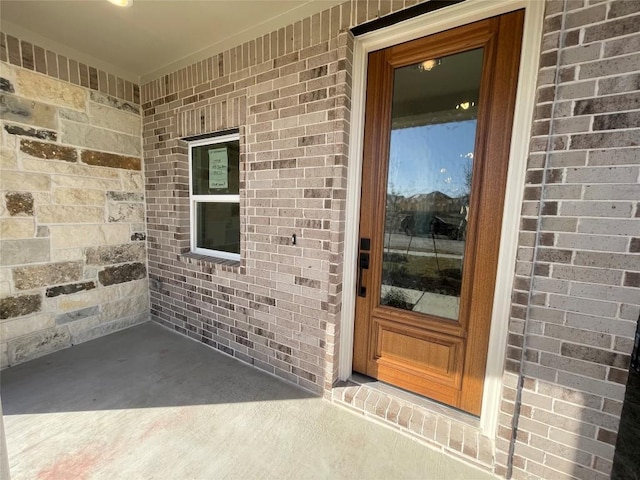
(72, 229)
(575, 297)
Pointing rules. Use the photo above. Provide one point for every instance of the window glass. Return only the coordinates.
(215, 168)
(218, 226)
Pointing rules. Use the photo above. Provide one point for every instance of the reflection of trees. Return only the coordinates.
(468, 176)
(393, 208)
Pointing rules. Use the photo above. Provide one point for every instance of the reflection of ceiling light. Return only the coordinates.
(122, 3)
(429, 65)
(465, 105)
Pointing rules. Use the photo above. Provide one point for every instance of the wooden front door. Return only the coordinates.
(438, 122)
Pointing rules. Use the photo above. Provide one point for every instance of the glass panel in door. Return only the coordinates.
(433, 131)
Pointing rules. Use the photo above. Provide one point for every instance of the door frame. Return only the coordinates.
(438, 21)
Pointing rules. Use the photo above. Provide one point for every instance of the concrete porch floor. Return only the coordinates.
(147, 403)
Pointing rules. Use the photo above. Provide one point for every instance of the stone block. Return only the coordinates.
(69, 214)
(4, 355)
(126, 212)
(6, 84)
(69, 289)
(125, 307)
(70, 236)
(114, 103)
(8, 159)
(134, 288)
(85, 299)
(19, 203)
(27, 112)
(19, 252)
(67, 254)
(49, 90)
(17, 328)
(93, 137)
(114, 119)
(24, 182)
(42, 134)
(25, 278)
(50, 151)
(69, 168)
(83, 335)
(37, 344)
(78, 196)
(70, 181)
(132, 180)
(107, 255)
(77, 315)
(19, 305)
(111, 160)
(73, 115)
(125, 196)
(122, 273)
(16, 228)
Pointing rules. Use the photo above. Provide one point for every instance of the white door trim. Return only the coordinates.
(427, 24)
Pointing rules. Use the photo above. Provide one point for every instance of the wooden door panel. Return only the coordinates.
(442, 357)
(418, 352)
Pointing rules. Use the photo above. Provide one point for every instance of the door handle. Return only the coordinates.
(363, 264)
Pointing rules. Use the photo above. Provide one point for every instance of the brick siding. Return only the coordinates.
(575, 298)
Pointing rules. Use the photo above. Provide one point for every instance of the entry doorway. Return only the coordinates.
(438, 122)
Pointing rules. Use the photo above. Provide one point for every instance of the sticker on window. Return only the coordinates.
(218, 168)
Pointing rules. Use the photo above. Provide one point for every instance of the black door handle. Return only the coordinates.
(363, 264)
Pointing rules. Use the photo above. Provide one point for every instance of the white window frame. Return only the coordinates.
(195, 199)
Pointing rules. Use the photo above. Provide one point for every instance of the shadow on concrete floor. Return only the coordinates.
(142, 367)
(147, 403)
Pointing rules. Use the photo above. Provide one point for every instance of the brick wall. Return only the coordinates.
(72, 226)
(575, 300)
(288, 93)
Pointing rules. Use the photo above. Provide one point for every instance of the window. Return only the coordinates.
(214, 195)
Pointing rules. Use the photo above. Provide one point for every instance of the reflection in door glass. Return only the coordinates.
(429, 182)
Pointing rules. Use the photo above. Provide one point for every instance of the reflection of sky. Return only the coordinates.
(431, 157)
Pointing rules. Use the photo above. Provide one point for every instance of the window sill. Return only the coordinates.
(200, 259)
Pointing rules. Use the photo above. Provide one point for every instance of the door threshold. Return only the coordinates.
(441, 427)
(415, 399)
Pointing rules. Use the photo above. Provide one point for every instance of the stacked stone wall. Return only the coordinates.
(73, 261)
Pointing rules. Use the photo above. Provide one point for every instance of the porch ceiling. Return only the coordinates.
(150, 37)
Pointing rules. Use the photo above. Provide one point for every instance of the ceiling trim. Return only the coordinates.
(307, 9)
(69, 52)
